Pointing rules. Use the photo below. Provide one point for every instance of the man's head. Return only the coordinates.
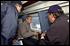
(28, 19)
(54, 12)
(18, 5)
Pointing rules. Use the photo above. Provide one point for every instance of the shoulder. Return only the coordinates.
(22, 24)
(54, 27)
(11, 8)
(4, 7)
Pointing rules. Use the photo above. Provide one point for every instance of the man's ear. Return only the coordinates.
(17, 5)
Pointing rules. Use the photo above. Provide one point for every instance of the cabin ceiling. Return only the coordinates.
(28, 3)
(25, 3)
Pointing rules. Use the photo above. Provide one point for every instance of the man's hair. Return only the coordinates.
(28, 17)
(56, 15)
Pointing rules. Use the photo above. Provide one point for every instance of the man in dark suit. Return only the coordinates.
(58, 33)
(9, 13)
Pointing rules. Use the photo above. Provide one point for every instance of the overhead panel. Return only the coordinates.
(29, 3)
(23, 2)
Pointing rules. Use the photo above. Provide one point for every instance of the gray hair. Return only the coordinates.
(28, 17)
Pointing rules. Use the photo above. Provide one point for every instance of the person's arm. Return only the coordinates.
(50, 36)
(9, 25)
(14, 41)
(42, 39)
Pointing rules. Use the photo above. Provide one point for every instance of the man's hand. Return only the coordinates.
(43, 34)
(35, 33)
(14, 41)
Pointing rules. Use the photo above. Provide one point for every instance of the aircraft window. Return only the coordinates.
(35, 24)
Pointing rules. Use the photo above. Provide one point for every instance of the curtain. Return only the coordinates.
(44, 20)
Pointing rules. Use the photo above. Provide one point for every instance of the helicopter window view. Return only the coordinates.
(35, 24)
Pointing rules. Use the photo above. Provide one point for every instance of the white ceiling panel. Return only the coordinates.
(24, 2)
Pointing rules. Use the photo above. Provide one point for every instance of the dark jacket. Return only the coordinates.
(9, 15)
(58, 33)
